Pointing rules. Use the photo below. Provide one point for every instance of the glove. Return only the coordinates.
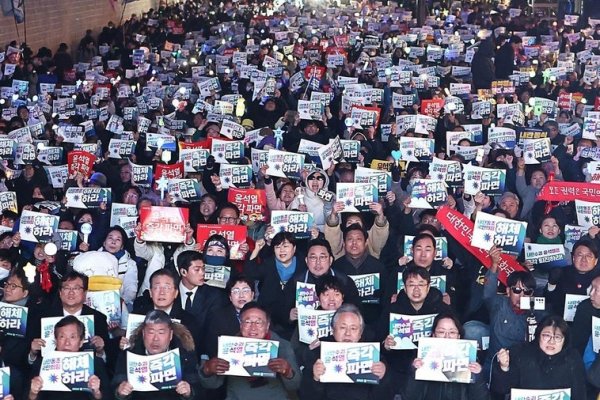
(554, 276)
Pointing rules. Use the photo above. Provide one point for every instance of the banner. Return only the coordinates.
(13, 320)
(235, 235)
(38, 227)
(546, 256)
(357, 197)
(540, 394)
(108, 302)
(296, 222)
(248, 357)
(66, 371)
(216, 275)
(408, 329)
(441, 247)
(569, 191)
(48, 324)
(446, 360)
(80, 162)
(314, 324)
(349, 362)
(505, 233)
(306, 296)
(368, 285)
(154, 372)
(428, 193)
(88, 197)
(461, 229)
(164, 224)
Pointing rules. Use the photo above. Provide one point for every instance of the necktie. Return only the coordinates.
(188, 301)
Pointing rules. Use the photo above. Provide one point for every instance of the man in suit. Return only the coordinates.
(195, 296)
(505, 60)
(72, 293)
(163, 295)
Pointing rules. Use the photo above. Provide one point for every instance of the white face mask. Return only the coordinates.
(4, 273)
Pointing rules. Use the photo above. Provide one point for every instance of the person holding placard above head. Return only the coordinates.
(308, 200)
(255, 324)
(446, 325)
(347, 327)
(546, 363)
(157, 335)
(69, 334)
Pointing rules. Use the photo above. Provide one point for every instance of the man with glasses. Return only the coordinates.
(72, 293)
(255, 324)
(319, 258)
(508, 322)
(229, 214)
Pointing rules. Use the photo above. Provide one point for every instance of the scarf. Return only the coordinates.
(119, 254)
(544, 240)
(45, 280)
(357, 262)
(285, 273)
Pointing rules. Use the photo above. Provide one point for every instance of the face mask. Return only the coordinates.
(4, 273)
(215, 260)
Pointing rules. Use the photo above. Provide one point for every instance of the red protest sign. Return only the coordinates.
(80, 162)
(173, 171)
(251, 202)
(163, 224)
(461, 229)
(201, 144)
(564, 101)
(314, 71)
(597, 104)
(432, 107)
(235, 235)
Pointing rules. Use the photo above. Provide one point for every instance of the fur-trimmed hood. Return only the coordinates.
(181, 338)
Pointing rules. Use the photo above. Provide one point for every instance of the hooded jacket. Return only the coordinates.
(483, 67)
(314, 203)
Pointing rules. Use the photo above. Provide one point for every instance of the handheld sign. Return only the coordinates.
(248, 357)
(349, 362)
(154, 372)
(408, 329)
(446, 360)
(66, 371)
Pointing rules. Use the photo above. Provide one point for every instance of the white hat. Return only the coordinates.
(94, 263)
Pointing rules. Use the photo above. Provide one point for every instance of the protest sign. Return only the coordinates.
(349, 362)
(572, 234)
(248, 357)
(446, 360)
(505, 233)
(216, 275)
(571, 303)
(8, 201)
(252, 203)
(357, 197)
(408, 329)
(588, 213)
(368, 286)
(225, 152)
(80, 162)
(448, 171)
(141, 175)
(569, 191)
(108, 302)
(416, 149)
(184, 190)
(428, 193)
(296, 222)
(540, 394)
(66, 371)
(546, 256)
(156, 372)
(314, 324)
(37, 227)
(4, 382)
(235, 235)
(163, 224)
(235, 176)
(485, 180)
(194, 159)
(381, 179)
(88, 197)
(306, 296)
(595, 334)
(537, 151)
(285, 164)
(13, 320)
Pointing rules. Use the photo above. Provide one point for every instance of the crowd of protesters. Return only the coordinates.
(183, 70)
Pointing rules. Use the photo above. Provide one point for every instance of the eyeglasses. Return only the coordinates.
(318, 259)
(12, 286)
(71, 289)
(446, 334)
(228, 219)
(518, 290)
(258, 323)
(546, 337)
(238, 291)
(166, 288)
